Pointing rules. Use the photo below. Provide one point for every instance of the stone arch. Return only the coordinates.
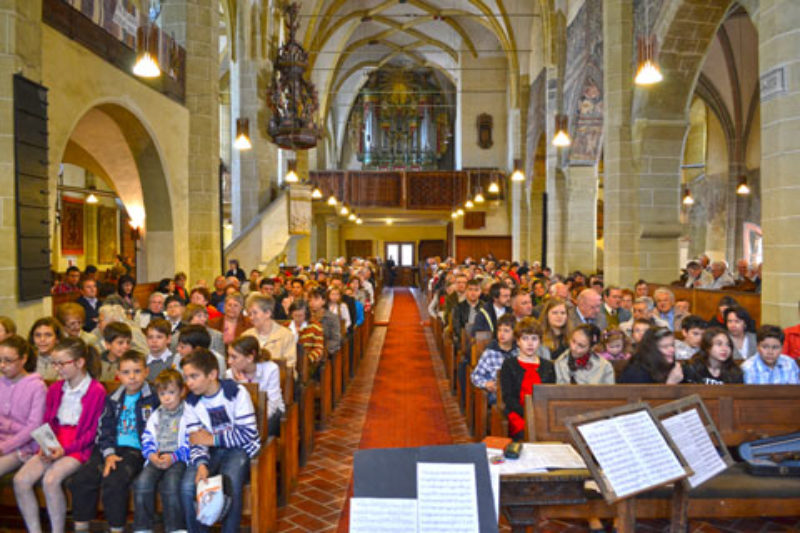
(111, 141)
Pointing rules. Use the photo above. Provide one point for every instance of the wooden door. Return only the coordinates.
(477, 247)
(431, 248)
(358, 248)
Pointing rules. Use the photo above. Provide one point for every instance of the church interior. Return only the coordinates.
(214, 161)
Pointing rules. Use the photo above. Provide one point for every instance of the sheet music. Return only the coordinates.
(632, 452)
(694, 442)
(447, 498)
(553, 455)
(383, 515)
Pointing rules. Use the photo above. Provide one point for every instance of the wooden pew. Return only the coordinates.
(289, 439)
(740, 412)
(477, 400)
(704, 302)
(324, 394)
(259, 498)
(498, 423)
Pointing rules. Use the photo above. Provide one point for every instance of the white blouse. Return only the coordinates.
(69, 412)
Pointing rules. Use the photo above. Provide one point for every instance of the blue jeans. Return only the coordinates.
(231, 463)
(144, 497)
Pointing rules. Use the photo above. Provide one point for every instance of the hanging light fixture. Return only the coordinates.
(742, 189)
(242, 140)
(494, 188)
(647, 71)
(469, 204)
(518, 174)
(454, 215)
(561, 138)
(316, 193)
(92, 198)
(389, 221)
(479, 199)
(291, 175)
(687, 197)
(352, 217)
(460, 211)
(332, 200)
(344, 211)
(147, 43)
(359, 221)
(292, 98)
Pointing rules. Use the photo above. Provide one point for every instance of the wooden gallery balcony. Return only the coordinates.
(434, 190)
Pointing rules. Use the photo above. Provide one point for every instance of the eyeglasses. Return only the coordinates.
(62, 364)
(9, 361)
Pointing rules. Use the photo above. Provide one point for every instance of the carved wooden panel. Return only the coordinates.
(435, 190)
(474, 219)
(330, 182)
(477, 247)
(375, 189)
(358, 248)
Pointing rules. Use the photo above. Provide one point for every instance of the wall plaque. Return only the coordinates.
(485, 131)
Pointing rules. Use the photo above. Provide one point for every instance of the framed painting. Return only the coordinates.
(71, 226)
(106, 234)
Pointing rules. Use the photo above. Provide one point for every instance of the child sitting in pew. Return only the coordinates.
(768, 366)
(158, 333)
(117, 458)
(247, 363)
(165, 447)
(654, 360)
(492, 358)
(117, 338)
(714, 363)
(72, 409)
(223, 435)
(22, 397)
(613, 345)
(693, 327)
(520, 374)
(44, 335)
(580, 365)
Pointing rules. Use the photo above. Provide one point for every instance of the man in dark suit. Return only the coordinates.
(588, 310)
(614, 314)
(90, 303)
(465, 312)
(486, 320)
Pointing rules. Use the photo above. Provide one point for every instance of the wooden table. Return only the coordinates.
(522, 494)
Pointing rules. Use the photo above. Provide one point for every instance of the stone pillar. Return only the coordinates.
(20, 52)
(254, 172)
(195, 24)
(621, 182)
(779, 43)
(580, 241)
(556, 210)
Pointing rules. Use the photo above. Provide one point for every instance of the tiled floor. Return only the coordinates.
(318, 502)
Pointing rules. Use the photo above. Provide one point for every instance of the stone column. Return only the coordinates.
(779, 64)
(621, 182)
(556, 210)
(255, 171)
(195, 24)
(20, 52)
(580, 240)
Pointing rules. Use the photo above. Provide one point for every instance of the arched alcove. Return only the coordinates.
(114, 146)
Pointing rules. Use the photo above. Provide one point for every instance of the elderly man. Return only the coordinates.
(743, 271)
(696, 277)
(665, 306)
(521, 304)
(642, 309)
(722, 278)
(588, 310)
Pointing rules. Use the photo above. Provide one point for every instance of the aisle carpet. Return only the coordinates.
(405, 408)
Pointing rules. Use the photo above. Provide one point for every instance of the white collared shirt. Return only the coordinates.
(163, 356)
(499, 311)
(70, 409)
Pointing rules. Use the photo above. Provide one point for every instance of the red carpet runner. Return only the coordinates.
(405, 408)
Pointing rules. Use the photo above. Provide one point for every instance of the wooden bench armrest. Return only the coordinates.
(263, 488)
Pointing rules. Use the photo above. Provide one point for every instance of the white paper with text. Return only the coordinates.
(632, 452)
(383, 515)
(447, 498)
(690, 435)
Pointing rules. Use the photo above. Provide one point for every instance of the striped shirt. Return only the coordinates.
(785, 371)
(228, 415)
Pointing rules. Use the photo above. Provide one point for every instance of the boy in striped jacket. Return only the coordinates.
(223, 435)
(165, 447)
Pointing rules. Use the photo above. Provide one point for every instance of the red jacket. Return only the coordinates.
(791, 346)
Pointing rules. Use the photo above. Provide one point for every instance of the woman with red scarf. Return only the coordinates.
(580, 365)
